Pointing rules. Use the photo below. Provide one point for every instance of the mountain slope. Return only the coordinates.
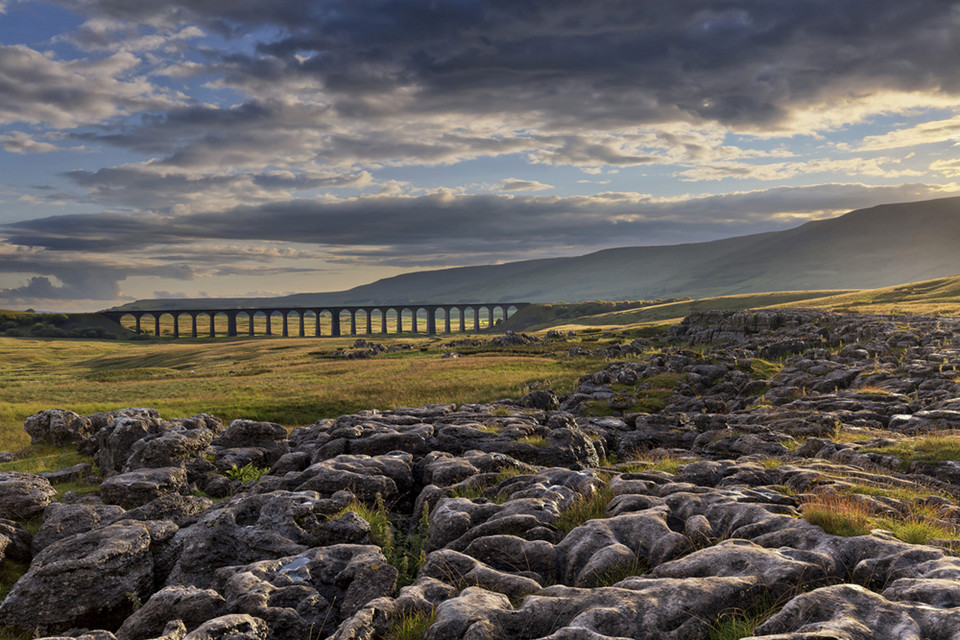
(864, 249)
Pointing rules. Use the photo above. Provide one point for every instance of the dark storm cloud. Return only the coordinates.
(491, 226)
(606, 62)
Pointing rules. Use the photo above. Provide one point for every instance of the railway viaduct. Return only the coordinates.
(340, 320)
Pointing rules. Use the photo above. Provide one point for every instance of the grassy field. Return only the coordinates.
(290, 381)
(566, 316)
(938, 297)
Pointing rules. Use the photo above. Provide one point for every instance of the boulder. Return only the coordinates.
(24, 496)
(64, 520)
(137, 488)
(57, 426)
(93, 579)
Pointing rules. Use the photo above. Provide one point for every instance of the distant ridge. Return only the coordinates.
(864, 249)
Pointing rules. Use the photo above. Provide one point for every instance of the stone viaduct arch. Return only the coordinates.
(321, 321)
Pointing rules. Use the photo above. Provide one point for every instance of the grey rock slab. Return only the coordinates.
(851, 612)
(136, 488)
(15, 542)
(249, 528)
(190, 605)
(461, 571)
(236, 626)
(91, 579)
(64, 520)
(645, 534)
(174, 446)
(57, 426)
(24, 496)
(310, 594)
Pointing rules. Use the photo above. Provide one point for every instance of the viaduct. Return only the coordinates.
(345, 320)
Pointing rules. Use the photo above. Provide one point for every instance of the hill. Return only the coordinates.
(864, 249)
(940, 296)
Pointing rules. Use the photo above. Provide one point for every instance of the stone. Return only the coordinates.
(24, 496)
(15, 542)
(190, 605)
(137, 488)
(235, 626)
(250, 528)
(57, 426)
(93, 579)
(64, 520)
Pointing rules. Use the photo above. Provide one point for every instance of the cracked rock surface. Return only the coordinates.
(795, 472)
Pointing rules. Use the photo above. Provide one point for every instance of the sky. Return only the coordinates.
(248, 148)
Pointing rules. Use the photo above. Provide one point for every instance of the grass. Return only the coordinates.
(411, 626)
(644, 460)
(636, 567)
(289, 381)
(764, 369)
(45, 457)
(929, 449)
(845, 515)
(536, 441)
(10, 572)
(584, 508)
(940, 296)
(406, 551)
(741, 623)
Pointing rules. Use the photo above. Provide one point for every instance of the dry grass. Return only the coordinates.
(289, 381)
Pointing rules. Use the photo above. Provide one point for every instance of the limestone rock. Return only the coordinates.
(57, 426)
(23, 496)
(93, 579)
(137, 488)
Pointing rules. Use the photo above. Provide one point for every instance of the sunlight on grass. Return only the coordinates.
(291, 382)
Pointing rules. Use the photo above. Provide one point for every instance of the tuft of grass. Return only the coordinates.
(837, 514)
(741, 623)
(637, 567)
(921, 525)
(585, 508)
(873, 390)
(764, 369)
(406, 551)
(928, 449)
(411, 626)
(536, 441)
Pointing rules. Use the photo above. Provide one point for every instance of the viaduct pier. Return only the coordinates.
(323, 321)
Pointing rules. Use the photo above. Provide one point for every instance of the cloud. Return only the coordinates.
(515, 184)
(37, 88)
(488, 226)
(157, 187)
(607, 64)
(19, 142)
(924, 133)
